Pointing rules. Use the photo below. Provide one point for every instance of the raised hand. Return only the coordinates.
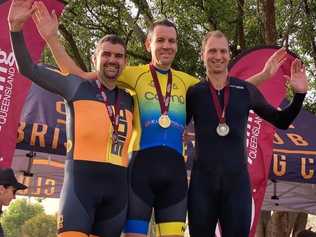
(298, 80)
(274, 62)
(20, 11)
(46, 23)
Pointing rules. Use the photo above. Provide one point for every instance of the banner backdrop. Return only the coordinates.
(13, 86)
(41, 144)
(259, 132)
(294, 151)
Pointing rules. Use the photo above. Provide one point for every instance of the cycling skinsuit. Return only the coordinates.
(157, 169)
(94, 193)
(220, 185)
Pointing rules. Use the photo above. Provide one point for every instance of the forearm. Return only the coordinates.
(23, 59)
(282, 119)
(64, 61)
(288, 114)
(41, 75)
(258, 78)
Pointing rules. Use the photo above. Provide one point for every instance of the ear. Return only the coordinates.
(93, 59)
(2, 189)
(147, 43)
(201, 56)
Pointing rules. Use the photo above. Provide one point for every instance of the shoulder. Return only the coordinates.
(139, 69)
(236, 83)
(187, 78)
(199, 88)
(126, 92)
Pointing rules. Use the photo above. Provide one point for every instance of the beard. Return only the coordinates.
(109, 75)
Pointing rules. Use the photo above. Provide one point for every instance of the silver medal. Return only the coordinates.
(222, 129)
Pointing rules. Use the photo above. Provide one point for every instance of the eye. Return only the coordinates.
(106, 54)
(173, 41)
(119, 55)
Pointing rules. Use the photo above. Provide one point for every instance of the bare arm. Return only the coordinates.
(47, 25)
(270, 68)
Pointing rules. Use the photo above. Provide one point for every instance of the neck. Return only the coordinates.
(161, 67)
(218, 81)
(109, 84)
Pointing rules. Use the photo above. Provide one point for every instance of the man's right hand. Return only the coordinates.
(46, 23)
(20, 11)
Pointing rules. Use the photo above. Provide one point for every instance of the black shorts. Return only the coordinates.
(157, 180)
(93, 198)
(219, 197)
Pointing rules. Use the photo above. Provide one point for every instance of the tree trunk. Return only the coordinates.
(312, 33)
(68, 36)
(240, 24)
(282, 224)
(270, 33)
(265, 217)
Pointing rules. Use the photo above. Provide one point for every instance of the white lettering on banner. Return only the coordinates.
(7, 73)
(253, 131)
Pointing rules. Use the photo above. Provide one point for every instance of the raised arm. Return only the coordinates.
(270, 68)
(282, 119)
(47, 78)
(47, 25)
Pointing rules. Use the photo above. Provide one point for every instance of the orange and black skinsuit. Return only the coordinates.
(94, 194)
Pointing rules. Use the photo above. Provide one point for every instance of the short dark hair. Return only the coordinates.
(113, 39)
(215, 33)
(164, 22)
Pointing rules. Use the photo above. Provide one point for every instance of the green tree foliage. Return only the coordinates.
(40, 225)
(247, 23)
(17, 214)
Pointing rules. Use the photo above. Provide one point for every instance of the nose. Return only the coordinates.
(166, 44)
(112, 58)
(217, 55)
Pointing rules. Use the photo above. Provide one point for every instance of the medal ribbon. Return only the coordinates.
(221, 113)
(164, 102)
(113, 115)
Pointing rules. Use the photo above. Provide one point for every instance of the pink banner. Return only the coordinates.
(259, 132)
(13, 86)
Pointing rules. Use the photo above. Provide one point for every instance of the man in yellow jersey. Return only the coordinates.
(157, 169)
(99, 126)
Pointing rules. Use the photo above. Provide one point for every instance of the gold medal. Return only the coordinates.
(222, 129)
(164, 121)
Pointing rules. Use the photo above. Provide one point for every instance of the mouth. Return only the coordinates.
(111, 68)
(217, 64)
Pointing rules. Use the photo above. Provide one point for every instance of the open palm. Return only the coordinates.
(46, 23)
(298, 80)
(20, 11)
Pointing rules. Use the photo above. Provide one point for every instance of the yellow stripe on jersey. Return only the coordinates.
(170, 228)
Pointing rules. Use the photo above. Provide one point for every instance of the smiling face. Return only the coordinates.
(215, 54)
(162, 44)
(110, 61)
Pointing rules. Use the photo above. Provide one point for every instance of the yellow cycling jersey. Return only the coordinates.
(147, 132)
